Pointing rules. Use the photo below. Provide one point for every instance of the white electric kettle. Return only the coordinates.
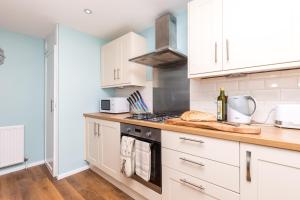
(238, 109)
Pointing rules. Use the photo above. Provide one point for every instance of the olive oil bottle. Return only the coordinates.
(222, 106)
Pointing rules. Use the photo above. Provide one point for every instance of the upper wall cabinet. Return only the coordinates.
(116, 70)
(205, 36)
(255, 36)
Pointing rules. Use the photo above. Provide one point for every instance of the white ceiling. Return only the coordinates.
(110, 18)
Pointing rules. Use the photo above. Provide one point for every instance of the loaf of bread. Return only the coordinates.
(198, 116)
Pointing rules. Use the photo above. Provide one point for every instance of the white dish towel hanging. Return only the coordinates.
(127, 156)
(143, 159)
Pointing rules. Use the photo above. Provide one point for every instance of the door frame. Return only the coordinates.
(54, 171)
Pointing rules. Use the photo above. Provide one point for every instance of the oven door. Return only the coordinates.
(105, 105)
(156, 169)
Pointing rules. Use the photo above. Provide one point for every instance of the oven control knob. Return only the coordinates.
(128, 130)
(148, 134)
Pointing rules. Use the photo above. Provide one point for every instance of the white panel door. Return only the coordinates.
(110, 148)
(258, 33)
(204, 36)
(51, 103)
(269, 173)
(110, 63)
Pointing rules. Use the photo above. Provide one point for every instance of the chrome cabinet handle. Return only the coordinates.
(216, 52)
(191, 161)
(98, 129)
(248, 167)
(227, 50)
(118, 73)
(95, 131)
(193, 140)
(114, 74)
(51, 105)
(192, 184)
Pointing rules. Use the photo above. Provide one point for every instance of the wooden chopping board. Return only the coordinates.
(243, 129)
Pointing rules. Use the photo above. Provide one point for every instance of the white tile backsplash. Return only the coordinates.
(269, 89)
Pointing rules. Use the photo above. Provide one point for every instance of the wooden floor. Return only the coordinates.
(37, 184)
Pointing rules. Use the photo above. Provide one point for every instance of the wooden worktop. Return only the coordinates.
(270, 136)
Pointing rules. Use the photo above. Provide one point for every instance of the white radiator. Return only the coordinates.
(11, 145)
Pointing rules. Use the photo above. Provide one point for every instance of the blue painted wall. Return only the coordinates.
(22, 89)
(79, 92)
(149, 34)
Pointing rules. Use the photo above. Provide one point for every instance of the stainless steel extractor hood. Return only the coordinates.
(165, 44)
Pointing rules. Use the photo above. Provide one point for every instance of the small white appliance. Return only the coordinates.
(239, 109)
(287, 116)
(114, 105)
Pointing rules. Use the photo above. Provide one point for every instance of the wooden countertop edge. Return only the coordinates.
(244, 138)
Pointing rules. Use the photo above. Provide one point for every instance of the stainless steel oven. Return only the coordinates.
(152, 136)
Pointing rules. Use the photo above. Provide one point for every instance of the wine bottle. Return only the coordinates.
(222, 106)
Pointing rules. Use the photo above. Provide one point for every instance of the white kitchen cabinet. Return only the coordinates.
(92, 141)
(102, 145)
(110, 148)
(269, 173)
(179, 186)
(116, 69)
(255, 37)
(259, 33)
(204, 36)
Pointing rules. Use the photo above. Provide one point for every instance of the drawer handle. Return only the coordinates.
(193, 140)
(248, 160)
(184, 181)
(98, 129)
(95, 127)
(191, 161)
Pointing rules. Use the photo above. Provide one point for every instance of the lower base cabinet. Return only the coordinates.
(179, 186)
(103, 145)
(269, 173)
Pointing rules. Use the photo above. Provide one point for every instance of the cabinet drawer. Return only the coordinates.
(215, 149)
(214, 172)
(178, 186)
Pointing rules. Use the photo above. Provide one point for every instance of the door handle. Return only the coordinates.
(216, 52)
(95, 128)
(118, 73)
(98, 129)
(114, 74)
(248, 167)
(227, 50)
(51, 105)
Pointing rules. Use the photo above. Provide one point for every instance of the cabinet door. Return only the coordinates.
(92, 141)
(204, 36)
(179, 186)
(110, 62)
(269, 173)
(259, 33)
(110, 148)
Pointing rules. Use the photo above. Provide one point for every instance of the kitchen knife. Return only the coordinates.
(136, 110)
(136, 102)
(131, 105)
(140, 102)
(145, 105)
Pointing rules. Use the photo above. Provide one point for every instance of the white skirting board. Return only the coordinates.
(70, 173)
(20, 167)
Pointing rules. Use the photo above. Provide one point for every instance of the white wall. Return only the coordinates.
(269, 89)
